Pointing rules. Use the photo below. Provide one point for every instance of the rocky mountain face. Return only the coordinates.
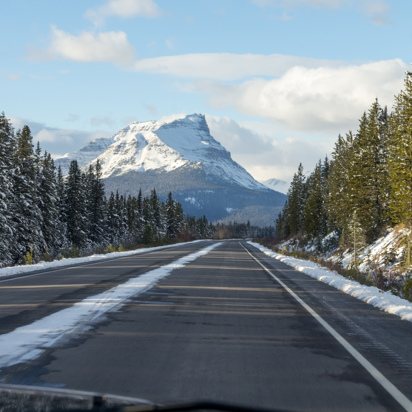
(182, 157)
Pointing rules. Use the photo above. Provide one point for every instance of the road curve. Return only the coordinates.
(220, 328)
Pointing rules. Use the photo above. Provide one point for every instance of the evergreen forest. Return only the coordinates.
(363, 190)
(44, 215)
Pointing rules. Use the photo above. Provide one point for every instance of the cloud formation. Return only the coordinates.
(123, 8)
(226, 66)
(12, 76)
(110, 47)
(292, 3)
(264, 154)
(312, 99)
(376, 10)
(57, 141)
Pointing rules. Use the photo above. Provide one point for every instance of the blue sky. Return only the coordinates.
(278, 79)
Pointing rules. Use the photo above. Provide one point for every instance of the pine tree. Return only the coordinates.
(314, 213)
(156, 220)
(400, 162)
(355, 236)
(96, 205)
(340, 201)
(76, 210)
(61, 206)
(369, 184)
(171, 224)
(49, 206)
(7, 140)
(296, 202)
(180, 218)
(27, 216)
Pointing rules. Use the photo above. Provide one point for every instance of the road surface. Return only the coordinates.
(220, 328)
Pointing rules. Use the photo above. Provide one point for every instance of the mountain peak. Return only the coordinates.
(163, 146)
(178, 154)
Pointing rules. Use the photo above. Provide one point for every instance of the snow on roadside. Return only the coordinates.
(30, 341)
(369, 294)
(17, 270)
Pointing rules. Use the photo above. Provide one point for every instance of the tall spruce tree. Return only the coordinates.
(315, 219)
(400, 162)
(27, 216)
(75, 207)
(7, 142)
(339, 201)
(296, 202)
(49, 206)
(96, 205)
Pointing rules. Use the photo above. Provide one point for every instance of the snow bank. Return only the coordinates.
(369, 294)
(30, 341)
(17, 270)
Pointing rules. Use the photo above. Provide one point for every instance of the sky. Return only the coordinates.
(277, 79)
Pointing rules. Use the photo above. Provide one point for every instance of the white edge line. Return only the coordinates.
(384, 382)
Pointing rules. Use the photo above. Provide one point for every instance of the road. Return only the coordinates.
(220, 328)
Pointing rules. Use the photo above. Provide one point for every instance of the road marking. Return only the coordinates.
(30, 341)
(45, 271)
(385, 383)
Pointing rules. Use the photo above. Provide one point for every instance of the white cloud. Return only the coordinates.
(57, 141)
(169, 43)
(123, 8)
(112, 47)
(102, 121)
(226, 66)
(376, 10)
(151, 109)
(172, 117)
(312, 99)
(259, 148)
(292, 3)
(12, 76)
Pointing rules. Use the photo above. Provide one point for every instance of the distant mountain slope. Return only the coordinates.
(179, 156)
(277, 184)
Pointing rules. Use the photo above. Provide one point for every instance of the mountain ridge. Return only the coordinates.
(179, 156)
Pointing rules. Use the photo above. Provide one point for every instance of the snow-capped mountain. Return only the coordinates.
(277, 184)
(179, 156)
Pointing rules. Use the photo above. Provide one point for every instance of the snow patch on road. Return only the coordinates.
(17, 270)
(369, 294)
(30, 341)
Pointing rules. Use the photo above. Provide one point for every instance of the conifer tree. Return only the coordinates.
(26, 213)
(340, 200)
(369, 184)
(296, 202)
(315, 223)
(96, 205)
(400, 162)
(171, 224)
(156, 221)
(76, 210)
(49, 206)
(6, 195)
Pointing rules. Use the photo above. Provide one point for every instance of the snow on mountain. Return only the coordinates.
(86, 154)
(163, 147)
(277, 185)
(179, 155)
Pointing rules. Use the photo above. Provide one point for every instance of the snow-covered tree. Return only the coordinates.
(75, 207)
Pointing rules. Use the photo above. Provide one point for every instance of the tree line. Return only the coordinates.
(364, 189)
(45, 215)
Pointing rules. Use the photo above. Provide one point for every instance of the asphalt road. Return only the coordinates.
(220, 328)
